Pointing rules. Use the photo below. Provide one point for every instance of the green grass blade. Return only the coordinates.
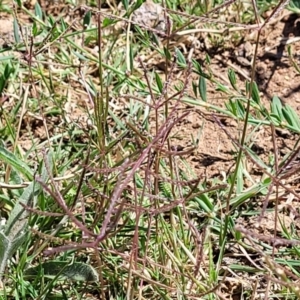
(10, 159)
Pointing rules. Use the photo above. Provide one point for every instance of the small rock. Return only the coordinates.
(151, 15)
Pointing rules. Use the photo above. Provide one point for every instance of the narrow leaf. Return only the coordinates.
(10, 159)
(131, 57)
(158, 82)
(16, 31)
(125, 4)
(255, 93)
(232, 79)
(180, 58)
(76, 272)
(108, 22)
(276, 108)
(87, 19)
(195, 88)
(291, 117)
(38, 10)
(202, 88)
(167, 53)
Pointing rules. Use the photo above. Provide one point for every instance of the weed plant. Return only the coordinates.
(98, 200)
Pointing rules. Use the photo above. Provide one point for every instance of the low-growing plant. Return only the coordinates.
(116, 201)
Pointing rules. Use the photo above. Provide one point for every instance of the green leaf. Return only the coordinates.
(197, 66)
(13, 233)
(2, 84)
(222, 88)
(8, 70)
(125, 4)
(16, 31)
(275, 119)
(240, 108)
(232, 79)
(195, 88)
(207, 59)
(245, 195)
(64, 26)
(38, 10)
(131, 57)
(19, 2)
(291, 117)
(87, 19)
(276, 108)
(119, 123)
(292, 60)
(255, 93)
(202, 88)
(9, 246)
(18, 216)
(240, 180)
(10, 159)
(51, 21)
(294, 6)
(137, 4)
(180, 58)
(80, 56)
(155, 39)
(130, 10)
(76, 272)
(167, 53)
(158, 82)
(204, 202)
(198, 70)
(166, 190)
(108, 22)
(34, 29)
(287, 117)
(231, 106)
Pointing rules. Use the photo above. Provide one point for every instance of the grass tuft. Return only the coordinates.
(101, 196)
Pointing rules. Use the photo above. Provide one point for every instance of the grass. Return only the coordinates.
(98, 199)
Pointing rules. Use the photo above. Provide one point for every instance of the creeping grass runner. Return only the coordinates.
(98, 199)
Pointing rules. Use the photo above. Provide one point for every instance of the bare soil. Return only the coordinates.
(275, 76)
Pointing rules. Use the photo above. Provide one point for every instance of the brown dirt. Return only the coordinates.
(275, 76)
